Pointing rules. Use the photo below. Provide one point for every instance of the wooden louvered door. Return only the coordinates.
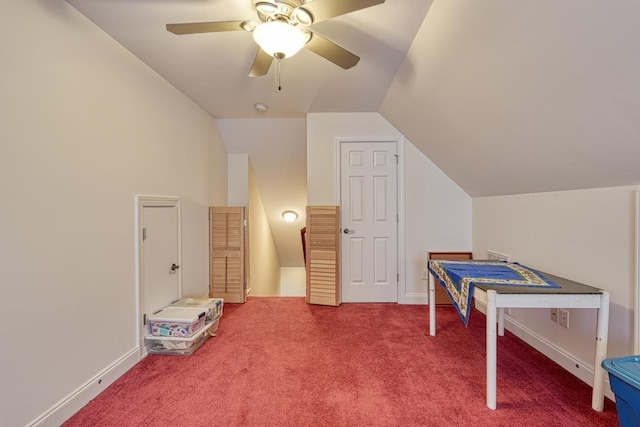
(323, 255)
(227, 249)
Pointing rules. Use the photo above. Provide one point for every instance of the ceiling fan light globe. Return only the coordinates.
(278, 38)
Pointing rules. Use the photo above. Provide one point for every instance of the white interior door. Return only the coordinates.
(160, 258)
(369, 221)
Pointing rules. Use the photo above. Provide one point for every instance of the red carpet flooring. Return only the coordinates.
(281, 362)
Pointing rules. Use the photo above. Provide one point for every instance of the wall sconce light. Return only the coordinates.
(289, 216)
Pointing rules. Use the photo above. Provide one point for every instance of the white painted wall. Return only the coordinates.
(322, 131)
(84, 127)
(584, 235)
(293, 281)
(264, 263)
(281, 173)
(238, 182)
(437, 211)
(437, 215)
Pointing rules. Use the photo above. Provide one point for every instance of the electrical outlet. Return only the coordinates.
(425, 274)
(563, 318)
(554, 315)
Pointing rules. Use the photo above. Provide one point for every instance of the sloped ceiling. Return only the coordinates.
(505, 96)
(212, 69)
(511, 97)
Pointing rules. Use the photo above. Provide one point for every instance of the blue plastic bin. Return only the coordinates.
(624, 376)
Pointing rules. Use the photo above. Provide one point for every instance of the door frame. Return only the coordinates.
(400, 194)
(141, 202)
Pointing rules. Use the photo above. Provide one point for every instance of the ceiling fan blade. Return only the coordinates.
(205, 27)
(261, 64)
(321, 10)
(331, 51)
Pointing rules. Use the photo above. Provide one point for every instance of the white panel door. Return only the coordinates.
(369, 221)
(160, 263)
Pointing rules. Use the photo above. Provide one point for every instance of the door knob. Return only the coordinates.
(174, 267)
(347, 231)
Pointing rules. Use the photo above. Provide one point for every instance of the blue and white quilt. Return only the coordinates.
(459, 277)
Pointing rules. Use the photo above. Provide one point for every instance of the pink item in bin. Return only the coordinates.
(176, 322)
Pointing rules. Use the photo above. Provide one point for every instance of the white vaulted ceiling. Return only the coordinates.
(212, 69)
(505, 96)
(512, 97)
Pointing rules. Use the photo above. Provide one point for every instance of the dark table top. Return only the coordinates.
(567, 287)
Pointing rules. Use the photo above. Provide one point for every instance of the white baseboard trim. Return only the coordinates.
(64, 409)
(568, 361)
(414, 298)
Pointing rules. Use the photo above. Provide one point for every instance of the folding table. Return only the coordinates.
(498, 297)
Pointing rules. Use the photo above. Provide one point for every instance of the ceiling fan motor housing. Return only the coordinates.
(289, 11)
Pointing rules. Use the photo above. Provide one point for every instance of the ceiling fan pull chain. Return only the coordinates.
(278, 80)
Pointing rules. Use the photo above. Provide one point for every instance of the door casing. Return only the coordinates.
(143, 201)
(399, 140)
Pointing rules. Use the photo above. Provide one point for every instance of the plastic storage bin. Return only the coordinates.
(176, 346)
(212, 306)
(176, 322)
(624, 376)
(212, 328)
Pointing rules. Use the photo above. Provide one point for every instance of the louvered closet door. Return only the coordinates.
(227, 251)
(322, 246)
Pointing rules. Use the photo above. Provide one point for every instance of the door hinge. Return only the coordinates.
(144, 234)
(397, 158)
(398, 277)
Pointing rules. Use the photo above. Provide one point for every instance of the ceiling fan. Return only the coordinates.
(284, 29)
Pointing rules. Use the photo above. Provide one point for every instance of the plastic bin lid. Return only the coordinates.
(197, 302)
(626, 368)
(177, 314)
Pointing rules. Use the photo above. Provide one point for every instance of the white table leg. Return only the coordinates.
(492, 343)
(599, 374)
(432, 305)
(501, 321)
